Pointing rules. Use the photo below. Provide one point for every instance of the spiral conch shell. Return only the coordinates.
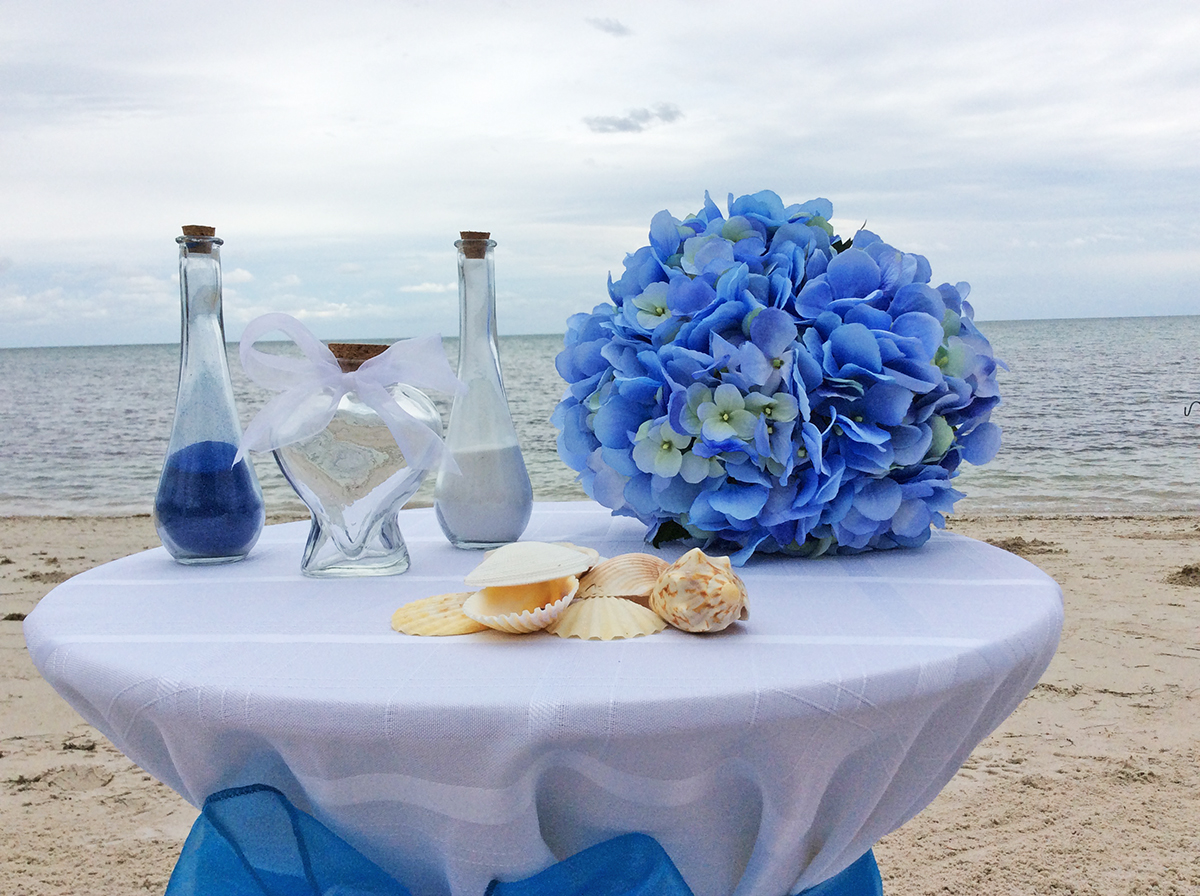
(698, 593)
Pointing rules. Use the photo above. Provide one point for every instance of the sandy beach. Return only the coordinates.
(1092, 787)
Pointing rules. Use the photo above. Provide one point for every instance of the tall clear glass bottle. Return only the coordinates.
(207, 510)
(489, 501)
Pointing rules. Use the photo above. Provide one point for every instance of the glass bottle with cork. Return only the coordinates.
(208, 509)
(488, 501)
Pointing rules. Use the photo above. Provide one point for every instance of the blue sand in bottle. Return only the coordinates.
(204, 508)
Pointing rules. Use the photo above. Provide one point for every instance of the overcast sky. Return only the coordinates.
(1044, 152)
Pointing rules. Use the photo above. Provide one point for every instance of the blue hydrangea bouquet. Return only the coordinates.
(759, 384)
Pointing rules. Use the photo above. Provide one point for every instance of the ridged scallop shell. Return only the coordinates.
(698, 593)
(439, 615)
(626, 575)
(524, 608)
(523, 562)
(606, 619)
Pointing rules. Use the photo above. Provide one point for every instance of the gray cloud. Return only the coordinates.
(636, 120)
(42, 92)
(611, 26)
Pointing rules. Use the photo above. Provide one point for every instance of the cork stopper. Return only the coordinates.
(201, 246)
(350, 355)
(475, 242)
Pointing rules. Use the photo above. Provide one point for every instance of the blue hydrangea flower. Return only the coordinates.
(755, 382)
(658, 449)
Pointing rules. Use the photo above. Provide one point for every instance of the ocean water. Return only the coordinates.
(1092, 413)
(1094, 421)
(84, 430)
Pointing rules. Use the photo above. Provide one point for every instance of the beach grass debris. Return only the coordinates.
(47, 578)
(1022, 548)
(1188, 575)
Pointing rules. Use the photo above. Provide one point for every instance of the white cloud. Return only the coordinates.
(430, 287)
(325, 312)
(237, 275)
(79, 310)
(361, 138)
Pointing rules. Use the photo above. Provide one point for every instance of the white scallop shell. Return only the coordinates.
(626, 575)
(527, 611)
(698, 593)
(606, 619)
(592, 554)
(523, 562)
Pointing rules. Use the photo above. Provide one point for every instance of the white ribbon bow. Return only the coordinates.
(313, 385)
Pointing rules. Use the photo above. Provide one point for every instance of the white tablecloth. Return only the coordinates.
(764, 759)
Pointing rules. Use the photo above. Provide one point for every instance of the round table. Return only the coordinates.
(764, 759)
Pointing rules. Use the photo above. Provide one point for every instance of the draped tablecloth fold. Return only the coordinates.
(250, 841)
(764, 759)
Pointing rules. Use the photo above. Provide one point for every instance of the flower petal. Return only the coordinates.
(854, 344)
(739, 502)
(852, 274)
(773, 330)
(980, 444)
(887, 403)
(664, 235)
(878, 499)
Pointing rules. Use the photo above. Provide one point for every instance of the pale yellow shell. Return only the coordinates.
(698, 593)
(626, 575)
(520, 609)
(441, 614)
(523, 562)
(592, 554)
(606, 619)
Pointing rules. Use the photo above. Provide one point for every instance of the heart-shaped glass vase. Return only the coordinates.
(354, 479)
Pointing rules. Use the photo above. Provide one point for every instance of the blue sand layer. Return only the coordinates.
(205, 508)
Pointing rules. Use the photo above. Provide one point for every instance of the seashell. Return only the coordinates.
(626, 575)
(606, 619)
(441, 614)
(523, 562)
(592, 554)
(698, 593)
(519, 609)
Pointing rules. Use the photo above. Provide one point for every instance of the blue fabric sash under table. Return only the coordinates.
(250, 841)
